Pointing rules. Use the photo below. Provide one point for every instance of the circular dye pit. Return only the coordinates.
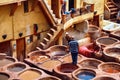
(30, 74)
(110, 67)
(112, 52)
(116, 34)
(50, 78)
(104, 78)
(66, 68)
(68, 58)
(90, 63)
(117, 44)
(4, 76)
(39, 59)
(105, 41)
(84, 74)
(38, 56)
(16, 67)
(57, 51)
(93, 32)
(50, 64)
(6, 61)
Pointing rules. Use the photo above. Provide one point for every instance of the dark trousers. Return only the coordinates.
(74, 57)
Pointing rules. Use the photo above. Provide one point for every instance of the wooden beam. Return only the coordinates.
(13, 8)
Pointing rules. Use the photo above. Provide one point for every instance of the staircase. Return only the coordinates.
(113, 10)
(53, 35)
(55, 31)
(49, 12)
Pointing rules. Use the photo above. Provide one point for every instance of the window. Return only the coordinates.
(26, 7)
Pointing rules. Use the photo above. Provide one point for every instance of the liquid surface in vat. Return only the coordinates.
(16, 68)
(29, 75)
(39, 58)
(3, 77)
(111, 70)
(50, 64)
(90, 64)
(5, 62)
(48, 78)
(85, 76)
(107, 41)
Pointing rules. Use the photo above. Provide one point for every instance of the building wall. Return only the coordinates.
(23, 23)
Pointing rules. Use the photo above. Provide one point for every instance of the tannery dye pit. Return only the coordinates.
(4, 76)
(30, 74)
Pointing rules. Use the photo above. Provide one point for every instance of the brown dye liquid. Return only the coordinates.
(29, 75)
(5, 62)
(48, 78)
(3, 77)
(50, 64)
(90, 64)
(111, 70)
(107, 41)
(16, 68)
(68, 59)
(39, 58)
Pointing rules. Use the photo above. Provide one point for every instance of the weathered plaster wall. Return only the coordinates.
(5, 23)
(26, 21)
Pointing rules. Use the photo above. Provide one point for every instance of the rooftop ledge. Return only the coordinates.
(78, 19)
(6, 2)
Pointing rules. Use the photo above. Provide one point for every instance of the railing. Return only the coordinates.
(107, 12)
(48, 12)
(116, 3)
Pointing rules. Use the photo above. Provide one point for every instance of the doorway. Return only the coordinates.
(5, 47)
(71, 4)
(21, 55)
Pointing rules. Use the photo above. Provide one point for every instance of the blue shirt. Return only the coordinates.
(73, 46)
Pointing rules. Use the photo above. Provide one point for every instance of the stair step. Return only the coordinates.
(108, 3)
(45, 40)
(52, 31)
(111, 6)
(49, 34)
(42, 45)
(113, 13)
(114, 9)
